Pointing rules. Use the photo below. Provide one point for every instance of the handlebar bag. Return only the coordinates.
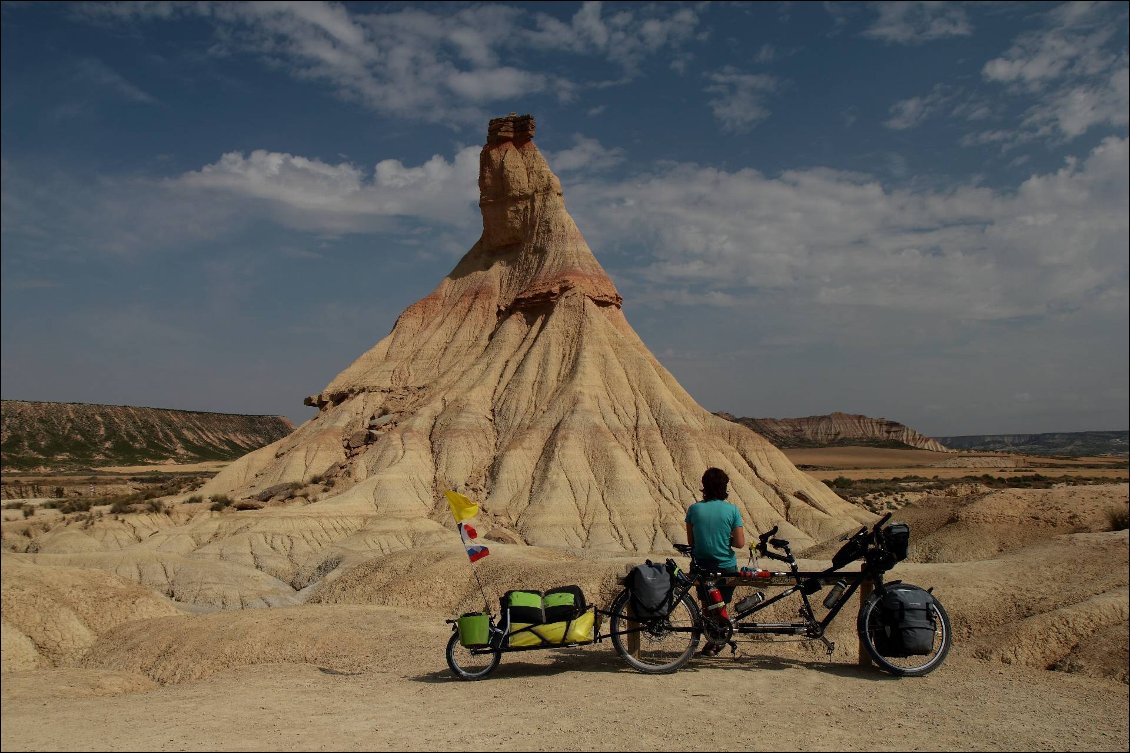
(896, 540)
(650, 585)
(907, 622)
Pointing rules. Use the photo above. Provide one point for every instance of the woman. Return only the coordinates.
(714, 530)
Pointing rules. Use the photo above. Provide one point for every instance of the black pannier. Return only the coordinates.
(896, 540)
(651, 586)
(906, 622)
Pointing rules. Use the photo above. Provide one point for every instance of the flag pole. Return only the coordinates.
(486, 601)
(463, 509)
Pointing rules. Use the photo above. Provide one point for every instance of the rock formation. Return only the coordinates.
(838, 429)
(519, 381)
(37, 434)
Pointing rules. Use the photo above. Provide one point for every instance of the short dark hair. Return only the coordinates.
(714, 483)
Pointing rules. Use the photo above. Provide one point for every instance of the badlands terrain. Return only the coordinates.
(296, 597)
(120, 650)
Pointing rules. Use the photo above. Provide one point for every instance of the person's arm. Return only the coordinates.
(690, 535)
(737, 537)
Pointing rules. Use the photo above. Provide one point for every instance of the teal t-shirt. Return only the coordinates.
(713, 521)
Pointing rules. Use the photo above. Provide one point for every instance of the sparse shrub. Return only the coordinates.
(120, 506)
(76, 505)
(840, 482)
(220, 501)
(156, 506)
(317, 478)
(28, 510)
(194, 499)
(1119, 518)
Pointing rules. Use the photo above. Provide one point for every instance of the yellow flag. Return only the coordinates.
(461, 507)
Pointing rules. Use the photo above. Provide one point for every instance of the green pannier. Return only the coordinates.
(524, 607)
(474, 629)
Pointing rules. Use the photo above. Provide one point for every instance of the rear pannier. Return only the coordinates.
(906, 622)
(651, 585)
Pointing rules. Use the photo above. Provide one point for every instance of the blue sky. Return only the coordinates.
(910, 210)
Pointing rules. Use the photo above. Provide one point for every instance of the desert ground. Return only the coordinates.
(97, 656)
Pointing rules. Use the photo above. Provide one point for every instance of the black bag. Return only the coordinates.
(650, 585)
(896, 540)
(854, 549)
(564, 603)
(907, 623)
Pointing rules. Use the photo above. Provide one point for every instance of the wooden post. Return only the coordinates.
(632, 640)
(865, 589)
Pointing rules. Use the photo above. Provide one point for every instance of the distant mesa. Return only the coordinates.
(838, 429)
(74, 435)
(1069, 444)
(519, 381)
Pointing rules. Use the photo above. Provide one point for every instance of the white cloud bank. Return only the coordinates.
(440, 66)
(1058, 243)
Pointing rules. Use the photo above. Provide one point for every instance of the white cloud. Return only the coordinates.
(917, 22)
(56, 216)
(908, 113)
(98, 73)
(312, 194)
(437, 66)
(1075, 68)
(585, 154)
(738, 99)
(1057, 243)
(627, 36)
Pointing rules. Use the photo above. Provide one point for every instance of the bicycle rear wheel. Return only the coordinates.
(468, 665)
(665, 643)
(870, 627)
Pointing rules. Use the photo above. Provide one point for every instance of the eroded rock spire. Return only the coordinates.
(519, 381)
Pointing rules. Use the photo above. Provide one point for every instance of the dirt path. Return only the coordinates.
(576, 699)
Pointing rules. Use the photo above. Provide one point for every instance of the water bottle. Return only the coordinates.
(834, 594)
(715, 604)
(750, 601)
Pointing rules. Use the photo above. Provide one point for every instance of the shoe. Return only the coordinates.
(710, 649)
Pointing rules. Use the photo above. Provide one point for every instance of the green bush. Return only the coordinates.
(220, 501)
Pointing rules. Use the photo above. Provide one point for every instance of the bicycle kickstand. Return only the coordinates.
(829, 646)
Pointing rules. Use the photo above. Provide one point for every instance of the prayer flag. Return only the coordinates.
(475, 551)
(461, 507)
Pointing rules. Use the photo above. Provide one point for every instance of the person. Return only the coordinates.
(714, 530)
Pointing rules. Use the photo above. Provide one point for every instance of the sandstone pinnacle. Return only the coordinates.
(519, 381)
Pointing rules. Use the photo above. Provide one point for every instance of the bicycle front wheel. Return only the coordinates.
(655, 645)
(870, 627)
(468, 665)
